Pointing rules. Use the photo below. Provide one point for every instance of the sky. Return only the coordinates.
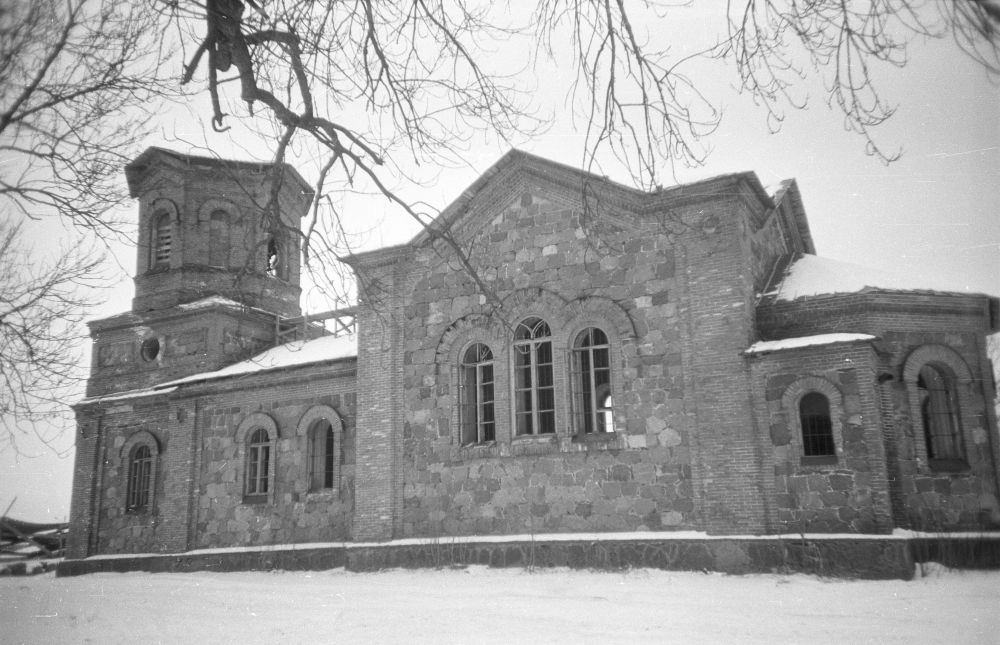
(934, 212)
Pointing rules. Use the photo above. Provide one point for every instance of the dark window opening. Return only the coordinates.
(322, 445)
(277, 263)
(817, 427)
(149, 349)
(476, 409)
(140, 469)
(591, 371)
(534, 385)
(258, 466)
(939, 412)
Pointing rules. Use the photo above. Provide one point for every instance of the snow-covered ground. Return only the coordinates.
(477, 605)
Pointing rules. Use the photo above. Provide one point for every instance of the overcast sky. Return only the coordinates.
(934, 212)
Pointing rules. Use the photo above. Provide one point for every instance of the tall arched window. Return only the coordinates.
(140, 480)
(591, 371)
(218, 239)
(938, 410)
(161, 240)
(534, 387)
(322, 455)
(258, 467)
(817, 426)
(277, 258)
(476, 409)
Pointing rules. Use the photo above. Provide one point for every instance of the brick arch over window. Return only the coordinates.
(958, 378)
(139, 474)
(547, 305)
(244, 431)
(600, 312)
(464, 331)
(790, 402)
(323, 458)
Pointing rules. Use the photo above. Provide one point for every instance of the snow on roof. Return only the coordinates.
(128, 394)
(805, 341)
(293, 354)
(812, 276)
(209, 302)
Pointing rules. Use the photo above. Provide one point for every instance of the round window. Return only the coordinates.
(150, 349)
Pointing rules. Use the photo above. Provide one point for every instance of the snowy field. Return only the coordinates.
(480, 605)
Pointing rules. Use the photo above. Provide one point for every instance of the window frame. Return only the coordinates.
(811, 434)
(322, 456)
(258, 453)
(959, 378)
(531, 346)
(791, 407)
(929, 419)
(583, 381)
(485, 431)
(138, 493)
(305, 433)
(146, 504)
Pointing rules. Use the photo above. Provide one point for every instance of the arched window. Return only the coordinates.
(218, 239)
(140, 481)
(258, 467)
(277, 260)
(161, 240)
(476, 411)
(938, 411)
(591, 372)
(817, 426)
(534, 387)
(322, 455)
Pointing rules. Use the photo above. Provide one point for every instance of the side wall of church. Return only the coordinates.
(293, 510)
(633, 278)
(199, 450)
(916, 330)
(847, 492)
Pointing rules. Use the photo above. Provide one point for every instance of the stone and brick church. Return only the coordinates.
(627, 361)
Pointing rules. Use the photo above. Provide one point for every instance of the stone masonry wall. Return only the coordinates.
(542, 256)
(292, 512)
(848, 494)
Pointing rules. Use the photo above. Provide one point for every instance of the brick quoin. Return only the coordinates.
(703, 429)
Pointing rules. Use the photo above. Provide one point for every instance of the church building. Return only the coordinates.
(616, 361)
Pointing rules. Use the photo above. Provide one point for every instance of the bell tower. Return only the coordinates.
(215, 273)
(203, 231)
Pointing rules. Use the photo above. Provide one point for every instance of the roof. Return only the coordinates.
(515, 160)
(811, 275)
(294, 354)
(297, 353)
(135, 168)
(765, 346)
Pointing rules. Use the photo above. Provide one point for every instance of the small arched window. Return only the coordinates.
(476, 410)
(939, 412)
(534, 386)
(591, 372)
(322, 455)
(161, 240)
(258, 468)
(218, 239)
(277, 260)
(139, 492)
(817, 426)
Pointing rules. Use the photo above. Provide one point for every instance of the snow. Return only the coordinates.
(210, 301)
(128, 394)
(481, 605)
(763, 346)
(623, 536)
(294, 354)
(811, 276)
